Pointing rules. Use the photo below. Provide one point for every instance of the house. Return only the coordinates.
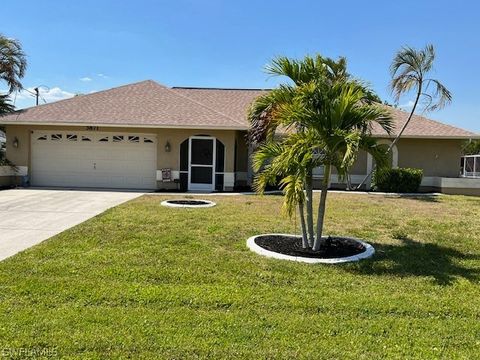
(149, 136)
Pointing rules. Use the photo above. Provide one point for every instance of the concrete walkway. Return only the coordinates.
(29, 216)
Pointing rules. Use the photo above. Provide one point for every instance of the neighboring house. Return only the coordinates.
(148, 136)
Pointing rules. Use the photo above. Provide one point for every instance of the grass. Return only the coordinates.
(145, 281)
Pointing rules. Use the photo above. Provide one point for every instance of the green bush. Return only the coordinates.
(400, 180)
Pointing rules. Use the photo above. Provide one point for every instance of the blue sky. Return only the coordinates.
(84, 46)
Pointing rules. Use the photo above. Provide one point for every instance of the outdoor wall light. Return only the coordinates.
(167, 147)
(15, 142)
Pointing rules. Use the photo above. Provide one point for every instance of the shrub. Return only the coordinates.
(471, 147)
(401, 180)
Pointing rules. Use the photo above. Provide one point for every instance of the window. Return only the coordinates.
(147, 140)
(318, 171)
(72, 137)
(118, 138)
(56, 137)
(42, 137)
(133, 139)
(86, 138)
(103, 139)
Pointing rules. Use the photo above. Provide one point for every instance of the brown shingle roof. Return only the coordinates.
(420, 127)
(148, 103)
(232, 102)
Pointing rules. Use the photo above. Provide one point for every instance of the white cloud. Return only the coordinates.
(85, 79)
(102, 76)
(408, 105)
(49, 95)
(55, 94)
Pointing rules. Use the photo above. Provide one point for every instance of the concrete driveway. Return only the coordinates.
(29, 216)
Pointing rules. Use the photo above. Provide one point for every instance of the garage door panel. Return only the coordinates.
(112, 164)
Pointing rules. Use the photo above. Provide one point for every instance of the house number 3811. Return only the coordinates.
(92, 128)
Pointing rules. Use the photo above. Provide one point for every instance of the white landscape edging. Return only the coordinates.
(369, 251)
(168, 204)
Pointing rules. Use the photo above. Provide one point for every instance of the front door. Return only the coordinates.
(201, 173)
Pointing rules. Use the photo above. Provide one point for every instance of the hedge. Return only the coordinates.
(399, 180)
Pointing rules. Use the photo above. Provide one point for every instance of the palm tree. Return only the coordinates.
(410, 72)
(262, 114)
(12, 68)
(342, 118)
(13, 63)
(291, 160)
(328, 120)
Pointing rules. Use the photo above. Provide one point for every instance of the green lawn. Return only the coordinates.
(145, 281)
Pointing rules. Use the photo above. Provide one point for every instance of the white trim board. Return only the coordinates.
(128, 125)
(211, 127)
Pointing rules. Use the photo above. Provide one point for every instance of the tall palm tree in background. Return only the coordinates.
(13, 63)
(327, 117)
(410, 70)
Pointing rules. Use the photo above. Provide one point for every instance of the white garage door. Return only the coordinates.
(93, 159)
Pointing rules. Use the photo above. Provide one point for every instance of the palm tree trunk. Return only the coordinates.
(305, 244)
(309, 191)
(419, 93)
(321, 209)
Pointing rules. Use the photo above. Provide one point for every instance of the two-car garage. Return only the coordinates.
(93, 159)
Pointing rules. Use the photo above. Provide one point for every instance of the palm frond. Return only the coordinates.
(441, 93)
(13, 63)
(292, 187)
(262, 112)
(5, 105)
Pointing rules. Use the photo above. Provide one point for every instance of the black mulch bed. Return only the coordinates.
(335, 247)
(187, 202)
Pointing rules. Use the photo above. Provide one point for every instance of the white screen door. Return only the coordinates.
(201, 175)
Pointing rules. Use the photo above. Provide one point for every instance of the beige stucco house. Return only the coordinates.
(148, 136)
